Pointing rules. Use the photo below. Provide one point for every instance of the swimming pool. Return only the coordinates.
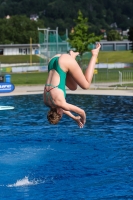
(39, 161)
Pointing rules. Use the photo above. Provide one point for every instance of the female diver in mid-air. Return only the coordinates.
(63, 70)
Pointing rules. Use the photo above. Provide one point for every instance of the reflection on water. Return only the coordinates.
(41, 161)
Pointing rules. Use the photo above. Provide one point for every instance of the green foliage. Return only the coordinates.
(80, 38)
(113, 35)
(101, 14)
(18, 30)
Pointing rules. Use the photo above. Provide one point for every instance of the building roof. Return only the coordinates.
(18, 45)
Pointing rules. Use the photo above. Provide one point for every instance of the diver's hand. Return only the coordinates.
(78, 120)
(96, 50)
(83, 117)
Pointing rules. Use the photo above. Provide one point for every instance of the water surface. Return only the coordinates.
(42, 161)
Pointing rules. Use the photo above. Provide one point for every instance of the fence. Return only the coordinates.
(113, 77)
(51, 43)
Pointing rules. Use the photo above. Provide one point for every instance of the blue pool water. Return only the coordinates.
(39, 161)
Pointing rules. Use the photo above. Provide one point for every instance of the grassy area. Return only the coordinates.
(19, 59)
(104, 57)
(29, 78)
(112, 57)
(115, 56)
(103, 76)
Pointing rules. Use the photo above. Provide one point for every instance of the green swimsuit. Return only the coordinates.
(53, 64)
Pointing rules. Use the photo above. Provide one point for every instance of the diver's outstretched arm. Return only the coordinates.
(75, 118)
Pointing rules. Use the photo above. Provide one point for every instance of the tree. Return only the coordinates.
(79, 38)
(101, 12)
(19, 29)
(113, 35)
(130, 37)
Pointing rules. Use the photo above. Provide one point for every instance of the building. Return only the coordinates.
(19, 49)
(115, 45)
(34, 17)
(125, 33)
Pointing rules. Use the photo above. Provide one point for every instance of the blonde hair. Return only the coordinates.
(53, 117)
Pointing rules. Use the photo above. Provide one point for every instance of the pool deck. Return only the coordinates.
(38, 89)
